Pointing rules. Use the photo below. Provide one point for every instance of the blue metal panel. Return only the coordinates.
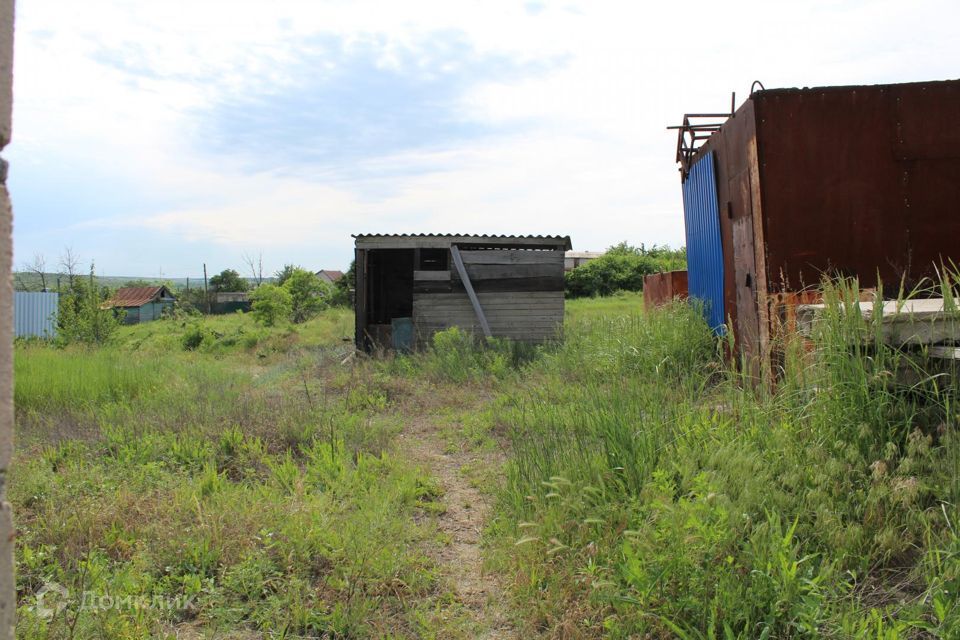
(701, 214)
(402, 331)
(35, 314)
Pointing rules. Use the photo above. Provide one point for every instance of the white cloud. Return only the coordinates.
(590, 156)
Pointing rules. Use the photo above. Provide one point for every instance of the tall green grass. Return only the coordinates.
(258, 480)
(651, 492)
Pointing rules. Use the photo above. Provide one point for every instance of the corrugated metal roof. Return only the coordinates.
(466, 237)
(136, 296)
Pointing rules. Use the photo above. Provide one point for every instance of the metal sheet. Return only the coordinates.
(661, 288)
(35, 314)
(704, 249)
(859, 181)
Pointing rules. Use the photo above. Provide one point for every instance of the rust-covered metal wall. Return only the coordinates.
(857, 181)
(661, 288)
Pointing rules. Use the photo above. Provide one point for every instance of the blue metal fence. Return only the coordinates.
(35, 314)
(701, 213)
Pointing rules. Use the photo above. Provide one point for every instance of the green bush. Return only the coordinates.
(341, 288)
(194, 337)
(81, 316)
(270, 304)
(308, 294)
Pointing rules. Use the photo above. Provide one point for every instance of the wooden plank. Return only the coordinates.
(514, 256)
(458, 261)
(503, 304)
(432, 286)
(499, 319)
(480, 272)
(516, 285)
(431, 275)
(496, 329)
(488, 313)
(507, 295)
(360, 297)
(522, 315)
(498, 332)
(946, 353)
(916, 322)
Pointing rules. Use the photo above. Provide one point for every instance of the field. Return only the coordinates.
(218, 479)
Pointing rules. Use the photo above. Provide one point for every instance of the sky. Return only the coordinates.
(153, 137)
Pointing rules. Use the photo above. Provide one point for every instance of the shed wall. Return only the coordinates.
(520, 292)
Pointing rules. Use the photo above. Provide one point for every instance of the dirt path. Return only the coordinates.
(466, 513)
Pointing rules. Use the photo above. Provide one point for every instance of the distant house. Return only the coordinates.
(142, 304)
(573, 259)
(329, 276)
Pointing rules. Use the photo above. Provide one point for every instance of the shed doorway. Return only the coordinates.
(390, 294)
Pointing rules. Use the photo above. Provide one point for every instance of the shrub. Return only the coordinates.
(308, 294)
(270, 303)
(193, 337)
(81, 317)
(341, 288)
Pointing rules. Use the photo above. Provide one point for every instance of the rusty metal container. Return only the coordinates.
(856, 181)
(661, 288)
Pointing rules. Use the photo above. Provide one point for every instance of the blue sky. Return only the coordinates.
(154, 137)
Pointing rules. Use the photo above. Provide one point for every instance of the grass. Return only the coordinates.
(651, 494)
(260, 488)
(648, 491)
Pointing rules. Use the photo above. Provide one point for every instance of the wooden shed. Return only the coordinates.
(408, 287)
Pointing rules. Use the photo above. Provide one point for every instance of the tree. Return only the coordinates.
(308, 294)
(342, 287)
(81, 316)
(228, 280)
(38, 268)
(270, 303)
(256, 267)
(69, 266)
(284, 274)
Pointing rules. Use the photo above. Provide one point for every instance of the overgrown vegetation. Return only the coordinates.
(651, 493)
(622, 268)
(649, 490)
(81, 316)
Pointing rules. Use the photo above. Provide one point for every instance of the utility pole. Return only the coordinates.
(206, 294)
